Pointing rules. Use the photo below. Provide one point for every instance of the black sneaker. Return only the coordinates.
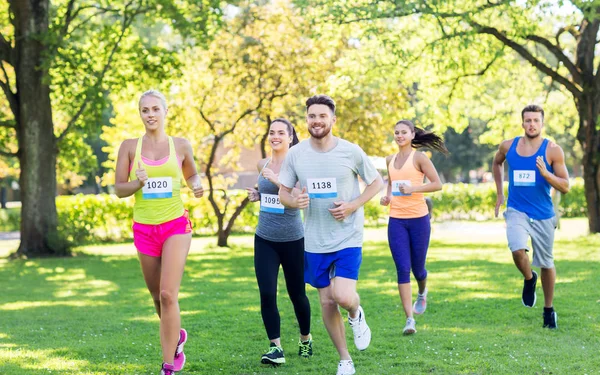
(305, 348)
(550, 319)
(528, 298)
(274, 356)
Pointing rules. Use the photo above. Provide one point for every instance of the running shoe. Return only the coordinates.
(362, 332)
(409, 328)
(529, 296)
(346, 367)
(550, 319)
(167, 369)
(421, 303)
(305, 348)
(179, 360)
(274, 356)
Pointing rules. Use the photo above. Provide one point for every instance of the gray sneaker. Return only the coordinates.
(421, 303)
(409, 328)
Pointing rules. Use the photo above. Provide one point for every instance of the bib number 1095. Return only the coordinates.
(270, 203)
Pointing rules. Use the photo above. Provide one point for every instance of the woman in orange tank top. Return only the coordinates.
(409, 227)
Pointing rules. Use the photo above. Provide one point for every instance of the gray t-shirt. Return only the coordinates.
(329, 177)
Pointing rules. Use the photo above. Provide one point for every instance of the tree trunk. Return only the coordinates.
(222, 236)
(588, 138)
(35, 131)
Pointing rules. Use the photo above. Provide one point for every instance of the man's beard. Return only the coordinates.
(322, 134)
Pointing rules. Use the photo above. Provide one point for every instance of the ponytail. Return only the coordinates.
(425, 138)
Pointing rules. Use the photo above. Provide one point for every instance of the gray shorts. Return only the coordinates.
(519, 227)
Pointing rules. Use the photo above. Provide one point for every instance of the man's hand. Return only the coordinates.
(385, 200)
(302, 199)
(539, 162)
(499, 202)
(342, 210)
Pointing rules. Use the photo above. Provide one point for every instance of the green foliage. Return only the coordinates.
(93, 218)
(10, 219)
(465, 201)
(574, 204)
(375, 214)
(106, 218)
(466, 153)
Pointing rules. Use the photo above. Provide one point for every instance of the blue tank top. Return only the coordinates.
(277, 225)
(528, 191)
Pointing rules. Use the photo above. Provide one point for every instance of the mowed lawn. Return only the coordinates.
(91, 314)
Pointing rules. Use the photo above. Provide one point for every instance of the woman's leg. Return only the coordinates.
(266, 267)
(419, 233)
(175, 251)
(292, 262)
(151, 270)
(398, 239)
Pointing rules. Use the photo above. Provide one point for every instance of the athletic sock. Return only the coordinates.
(548, 309)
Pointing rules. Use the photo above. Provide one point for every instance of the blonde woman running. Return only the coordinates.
(151, 168)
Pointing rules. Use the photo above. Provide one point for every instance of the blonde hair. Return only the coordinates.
(155, 93)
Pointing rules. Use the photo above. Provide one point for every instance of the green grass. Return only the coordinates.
(91, 314)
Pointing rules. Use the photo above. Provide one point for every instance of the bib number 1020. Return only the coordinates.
(157, 184)
(158, 187)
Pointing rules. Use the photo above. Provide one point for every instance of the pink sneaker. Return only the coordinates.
(167, 369)
(179, 360)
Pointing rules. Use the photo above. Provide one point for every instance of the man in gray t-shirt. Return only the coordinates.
(327, 168)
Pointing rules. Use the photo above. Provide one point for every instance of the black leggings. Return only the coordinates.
(268, 255)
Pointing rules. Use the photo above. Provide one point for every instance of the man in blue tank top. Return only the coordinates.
(534, 166)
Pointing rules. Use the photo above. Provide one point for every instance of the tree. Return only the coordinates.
(465, 154)
(57, 59)
(471, 38)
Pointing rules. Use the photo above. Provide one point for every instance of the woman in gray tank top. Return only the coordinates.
(279, 240)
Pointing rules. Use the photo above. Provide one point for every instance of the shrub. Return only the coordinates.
(101, 218)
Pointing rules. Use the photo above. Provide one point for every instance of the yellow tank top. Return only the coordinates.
(406, 206)
(159, 200)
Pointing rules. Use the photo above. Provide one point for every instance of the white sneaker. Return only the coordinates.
(409, 328)
(421, 303)
(346, 367)
(362, 332)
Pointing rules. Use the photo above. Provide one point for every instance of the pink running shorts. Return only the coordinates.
(149, 239)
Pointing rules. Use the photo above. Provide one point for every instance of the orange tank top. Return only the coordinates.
(406, 206)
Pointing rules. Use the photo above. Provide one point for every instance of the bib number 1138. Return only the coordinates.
(321, 187)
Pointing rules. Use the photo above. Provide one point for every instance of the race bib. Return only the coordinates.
(158, 187)
(396, 188)
(524, 178)
(270, 203)
(321, 187)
